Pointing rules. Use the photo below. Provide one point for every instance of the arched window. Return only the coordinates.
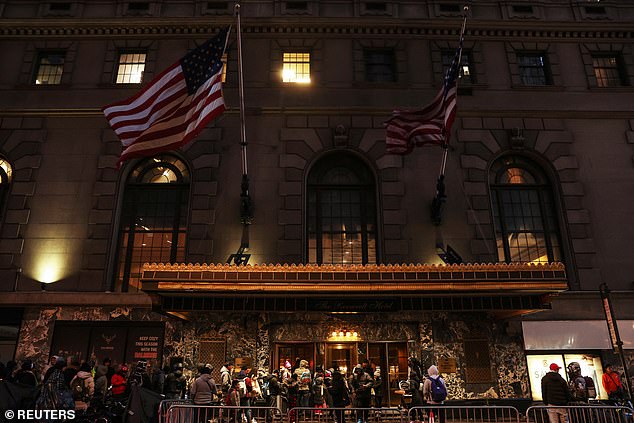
(341, 211)
(153, 218)
(5, 179)
(526, 222)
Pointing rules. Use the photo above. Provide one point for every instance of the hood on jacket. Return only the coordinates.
(224, 369)
(205, 376)
(433, 371)
(101, 370)
(303, 363)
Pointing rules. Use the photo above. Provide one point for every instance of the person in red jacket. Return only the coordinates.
(612, 383)
(119, 381)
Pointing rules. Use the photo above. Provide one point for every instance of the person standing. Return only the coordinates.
(83, 387)
(305, 381)
(378, 388)
(361, 384)
(555, 394)
(339, 394)
(612, 384)
(435, 391)
(25, 375)
(203, 392)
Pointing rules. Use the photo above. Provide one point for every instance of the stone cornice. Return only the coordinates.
(197, 27)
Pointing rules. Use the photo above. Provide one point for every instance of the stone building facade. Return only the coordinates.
(63, 199)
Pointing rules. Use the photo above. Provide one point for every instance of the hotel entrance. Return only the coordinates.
(389, 357)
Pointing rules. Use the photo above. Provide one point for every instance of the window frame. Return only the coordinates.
(123, 52)
(543, 187)
(619, 67)
(42, 54)
(545, 67)
(366, 190)
(125, 246)
(392, 65)
(449, 54)
(296, 63)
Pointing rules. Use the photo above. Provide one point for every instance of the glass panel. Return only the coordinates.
(607, 71)
(466, 73)
(296, 68)
(341, 356)
(294, 352)
(396, 370)
(532, 69)
(131, 68)
(49, 69)
(380, 65)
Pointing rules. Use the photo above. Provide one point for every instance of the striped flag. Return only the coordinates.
(175, 107)
(431, 125)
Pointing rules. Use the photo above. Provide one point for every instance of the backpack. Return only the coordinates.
(590, 388)
(438, 390)
(244, 387)
(79, 388)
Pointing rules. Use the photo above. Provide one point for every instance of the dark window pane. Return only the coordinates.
(380, 65)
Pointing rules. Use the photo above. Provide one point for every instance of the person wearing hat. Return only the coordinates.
(25, 375)
(555, 394)
(361, 384)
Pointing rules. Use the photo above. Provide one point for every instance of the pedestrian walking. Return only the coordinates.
(555, 394)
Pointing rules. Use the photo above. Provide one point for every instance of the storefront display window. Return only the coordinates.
(538, 366)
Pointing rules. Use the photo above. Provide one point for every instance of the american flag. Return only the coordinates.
(431, 125)
(175, 107)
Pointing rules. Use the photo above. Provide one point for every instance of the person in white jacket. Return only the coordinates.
(83, 387)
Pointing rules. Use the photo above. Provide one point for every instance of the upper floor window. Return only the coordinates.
(6, 172)
(49, 68)
(534, 69)
(131, 67)
(380, 65)
(609, 70)
(296, 68)
(525, 220)
(341, 211)
(467, 74)
(153, 219)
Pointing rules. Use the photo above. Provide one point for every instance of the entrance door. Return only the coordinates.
(291, 352)
(342, 356)
(391, 357)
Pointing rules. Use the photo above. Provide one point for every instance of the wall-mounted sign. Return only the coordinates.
(144, 343)
(447, 365)
(358, 305)
(243, 362)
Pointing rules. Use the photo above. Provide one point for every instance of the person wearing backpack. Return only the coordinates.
(305, 383)
(245, 387)
(83, 387)
(435, 392)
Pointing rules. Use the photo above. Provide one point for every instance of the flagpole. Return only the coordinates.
(441, 197)
(246, 206)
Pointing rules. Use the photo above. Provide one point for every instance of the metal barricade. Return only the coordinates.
(166, 404)
(190, 413)
(457, 414)
(345, 415)
(585, 413)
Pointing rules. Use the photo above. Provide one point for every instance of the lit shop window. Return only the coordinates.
(131, 67)
(296, 68)
(539, 365)
(526, 224)
(50, 66)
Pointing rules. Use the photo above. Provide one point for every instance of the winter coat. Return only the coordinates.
(555, 389)
(25, 377)
(339, 394)
(611, 382)
(378, 386)
(101, 381)
(89, 383)
(203, 390)
(319, 391)
(303, 368)
(225, 379)
(118, 384)
(362, 386)
(175, 383)
(158, 381)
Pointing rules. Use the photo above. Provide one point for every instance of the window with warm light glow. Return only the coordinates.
(6, 172)
(467, 75)
(296, 68)
(609, 70)
(153, 219)
(131, 67)
(526, 223)
(341, 211)
(50, 66)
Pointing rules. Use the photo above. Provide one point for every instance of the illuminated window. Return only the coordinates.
(6, 172)
(296, 68)
(341, 212)
(608, 69)
(534, 69)
(224, 67)
(467, 76)
(50, 66)
(153, 219)
(526, 224)
(131, 67)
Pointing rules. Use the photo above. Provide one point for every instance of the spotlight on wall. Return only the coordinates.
(449, 255)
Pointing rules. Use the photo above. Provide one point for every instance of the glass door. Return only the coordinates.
(292, 352)
(396, 370)
(342, 356)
